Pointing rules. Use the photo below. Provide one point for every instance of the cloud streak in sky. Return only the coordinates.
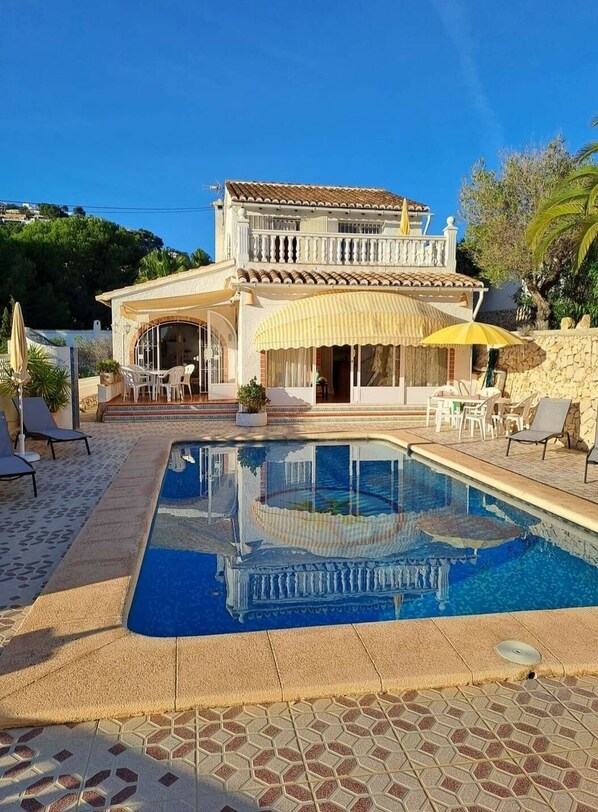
(456, 25)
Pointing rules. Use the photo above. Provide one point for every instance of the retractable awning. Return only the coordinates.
(171, 305)
(352, 317)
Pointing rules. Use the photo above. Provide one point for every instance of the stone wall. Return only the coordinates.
(559, 364)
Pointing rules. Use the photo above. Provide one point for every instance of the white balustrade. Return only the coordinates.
(298, 247)
(347, 579)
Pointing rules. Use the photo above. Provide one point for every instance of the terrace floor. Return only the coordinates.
(500, 746)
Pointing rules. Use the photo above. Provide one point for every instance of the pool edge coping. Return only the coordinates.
(73, 659)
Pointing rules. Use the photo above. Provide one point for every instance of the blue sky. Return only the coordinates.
(142, 103)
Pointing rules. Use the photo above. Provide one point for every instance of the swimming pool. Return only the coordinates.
(286, 534)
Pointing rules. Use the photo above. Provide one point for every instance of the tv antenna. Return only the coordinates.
(217, 187)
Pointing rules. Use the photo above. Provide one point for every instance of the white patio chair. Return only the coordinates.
(433, 402)
(172, 383)
(479, 414)
(186, 382)
(133, 381)
(488, 391)
(515, 414)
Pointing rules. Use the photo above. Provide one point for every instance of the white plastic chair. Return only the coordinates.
(515, 414)
(479, 414)
(132, 380)
(488, 391)
(434, 403)
(172, 383)
(186, 382)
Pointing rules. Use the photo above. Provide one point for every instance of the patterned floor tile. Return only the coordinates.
(491, 786)
(529, 721)
(287, 798)
(384, 792)
(338, 751)
(439, 728)
(162, 736)
(580, 696)
(363, 715)
(119, 774)
(568, 780)
(244, 749)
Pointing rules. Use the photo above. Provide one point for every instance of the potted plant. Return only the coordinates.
(47, 380)
(252, 402)
(109, 370)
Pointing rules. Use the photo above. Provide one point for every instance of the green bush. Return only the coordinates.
(252, 396)
(108, 365)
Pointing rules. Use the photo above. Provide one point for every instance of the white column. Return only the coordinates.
(450, 235)
(242, 236)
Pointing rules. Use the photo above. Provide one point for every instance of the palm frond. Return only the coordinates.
(545, 217)
(592, 199)
(549, 237)
(589, 230)
(586, 152)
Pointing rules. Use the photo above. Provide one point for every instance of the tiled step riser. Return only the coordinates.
(278, 420)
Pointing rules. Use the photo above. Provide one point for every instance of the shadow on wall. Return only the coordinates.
(573, 426)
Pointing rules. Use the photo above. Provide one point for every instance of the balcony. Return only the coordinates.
(293, 248)
(279, 247)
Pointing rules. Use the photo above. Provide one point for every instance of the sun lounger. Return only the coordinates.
(39, 423)
(592, 455)
(11, 465)
(548, 424)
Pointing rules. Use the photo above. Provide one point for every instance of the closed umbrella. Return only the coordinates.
(404, 229)
(18, 363)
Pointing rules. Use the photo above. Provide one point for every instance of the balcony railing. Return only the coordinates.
(346, 249)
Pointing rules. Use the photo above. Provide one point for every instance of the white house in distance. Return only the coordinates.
(309, 283)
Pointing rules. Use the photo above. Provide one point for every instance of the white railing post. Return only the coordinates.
(450, 235)
(242, 236)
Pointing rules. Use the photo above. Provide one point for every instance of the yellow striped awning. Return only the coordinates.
(172, 305)
(351, 317)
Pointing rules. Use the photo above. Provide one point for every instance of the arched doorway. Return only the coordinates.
(172, 344)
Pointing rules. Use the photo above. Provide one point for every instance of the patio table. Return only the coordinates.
(464, 400)
(156, 376)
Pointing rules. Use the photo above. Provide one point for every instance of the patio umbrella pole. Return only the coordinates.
(30, 456)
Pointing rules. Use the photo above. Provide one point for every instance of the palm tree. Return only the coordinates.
(572, 211)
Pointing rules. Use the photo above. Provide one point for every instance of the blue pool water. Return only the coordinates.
(285, 534)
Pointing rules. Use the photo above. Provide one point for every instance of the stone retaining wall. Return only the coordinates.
(559, 364)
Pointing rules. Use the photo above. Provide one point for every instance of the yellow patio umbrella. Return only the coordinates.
(468, 333)
(18, 364)
(404, 229)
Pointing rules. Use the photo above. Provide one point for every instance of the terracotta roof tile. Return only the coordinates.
(404, 279)
(296, 194)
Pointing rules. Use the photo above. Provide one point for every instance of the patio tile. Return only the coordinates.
(364, 711)
(438, 728)
(568, 780)
(528, 721)
(500, 786)
(396, 792)
(241, 750)
(337, 751)
(162, 735)
(114, 776)
(281, 798)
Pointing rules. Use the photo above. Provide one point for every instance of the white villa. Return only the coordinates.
(308, 283)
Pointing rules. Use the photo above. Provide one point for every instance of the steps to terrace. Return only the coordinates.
(226, 410)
